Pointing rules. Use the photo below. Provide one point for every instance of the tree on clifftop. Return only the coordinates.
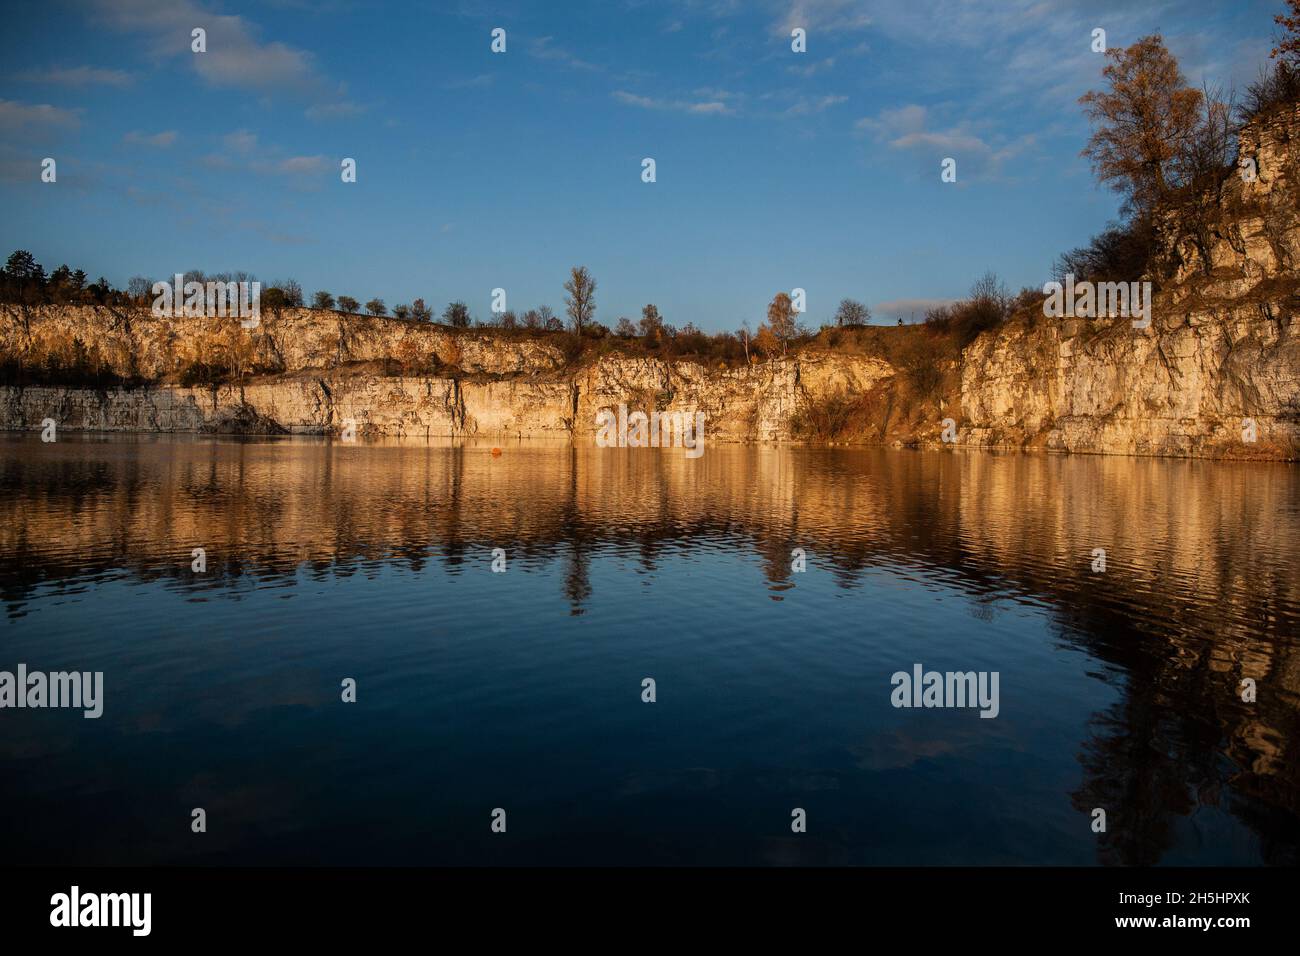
(852, 312)
(780, 318)
(1144, 126)
(456, 314)
(580, 302)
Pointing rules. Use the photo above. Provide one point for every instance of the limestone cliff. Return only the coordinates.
(1222, 347)
(1219, 365)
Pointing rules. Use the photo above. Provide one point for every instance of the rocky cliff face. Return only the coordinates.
(1217, 374)
(1221, 359)
(740, 404)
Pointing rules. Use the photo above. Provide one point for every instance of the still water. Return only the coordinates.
(1119, 689)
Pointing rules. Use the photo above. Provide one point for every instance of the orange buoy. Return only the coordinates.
(496, 452)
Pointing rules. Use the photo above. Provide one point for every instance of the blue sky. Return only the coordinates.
(477, 170)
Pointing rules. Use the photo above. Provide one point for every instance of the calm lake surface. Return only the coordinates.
(522, 690)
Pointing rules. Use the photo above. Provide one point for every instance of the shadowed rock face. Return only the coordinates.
(1200, 591)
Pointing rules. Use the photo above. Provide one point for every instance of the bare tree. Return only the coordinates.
(580, 303)
(138, 287)
(852, 312)
(456, 314)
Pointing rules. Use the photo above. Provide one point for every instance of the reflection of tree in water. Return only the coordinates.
(1130, 775)
(1181, 739)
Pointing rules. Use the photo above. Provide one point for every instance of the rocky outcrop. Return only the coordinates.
(1217, 373)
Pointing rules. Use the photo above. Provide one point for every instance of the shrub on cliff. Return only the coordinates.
(825, 419)
(456, 315)
(1120, 253)
(1276, 87)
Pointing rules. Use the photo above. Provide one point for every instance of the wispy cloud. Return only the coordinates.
(911, 128)
(163, 140)
(337, 110)
(806, 106)
(907, 309)
(241, 141)
(813, 68)
(77, 76)
(700, 107)
(15, 116)
(300, 165)
(479, 81)
(544, 49)
(824, 15)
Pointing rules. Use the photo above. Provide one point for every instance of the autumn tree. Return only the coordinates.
(580, 303)
(780, 319)
(1288, 44)
(1144, 124)
(765, 341)
(1278, 85)
(651, 325)
(421, 312)
(376, 307)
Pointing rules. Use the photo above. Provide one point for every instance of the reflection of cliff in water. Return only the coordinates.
(1200, 591)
